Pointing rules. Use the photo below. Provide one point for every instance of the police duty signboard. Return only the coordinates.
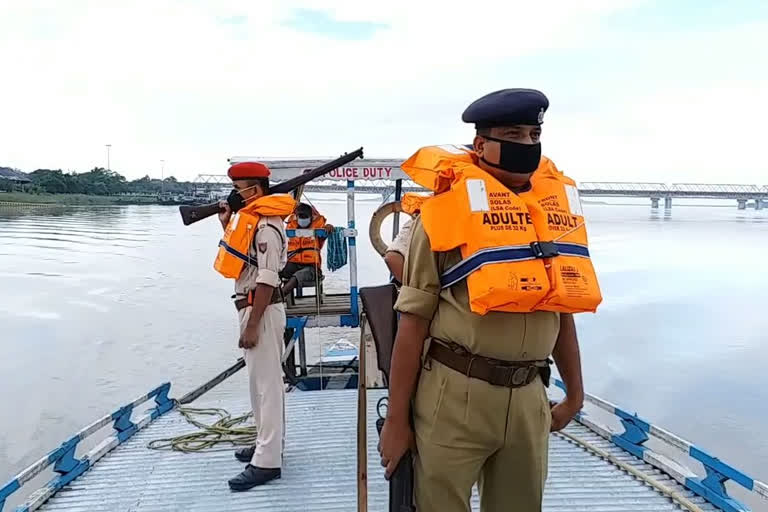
(379, 169)
(367, 173)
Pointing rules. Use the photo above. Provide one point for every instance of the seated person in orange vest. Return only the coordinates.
(304, 252)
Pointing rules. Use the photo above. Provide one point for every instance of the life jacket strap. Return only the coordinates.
(510, 254)
(234, 252)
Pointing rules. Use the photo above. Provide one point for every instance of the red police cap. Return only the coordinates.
(248, 170)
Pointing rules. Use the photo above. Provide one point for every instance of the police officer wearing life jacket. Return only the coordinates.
(304, 259)
(496, 264)
(252, 251)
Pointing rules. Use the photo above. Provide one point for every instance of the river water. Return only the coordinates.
(98, 305)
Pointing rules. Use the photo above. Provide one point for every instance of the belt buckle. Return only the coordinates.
(519, 376)
(544, 249)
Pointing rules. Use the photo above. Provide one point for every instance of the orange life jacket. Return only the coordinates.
(411, 203)
(306, 250)
(520, 252)
(238, 236)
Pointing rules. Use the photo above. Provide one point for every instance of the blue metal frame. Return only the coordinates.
(299, 323)
(711, 487)
(63, 458)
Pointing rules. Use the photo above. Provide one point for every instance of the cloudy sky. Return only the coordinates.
(673, 91)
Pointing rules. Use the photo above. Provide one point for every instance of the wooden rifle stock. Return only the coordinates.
(191, 214)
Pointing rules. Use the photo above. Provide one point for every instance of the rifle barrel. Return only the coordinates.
(191, 214)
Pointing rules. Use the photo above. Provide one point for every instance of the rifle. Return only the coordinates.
(378, 305)
(191, 214)
(401, 480)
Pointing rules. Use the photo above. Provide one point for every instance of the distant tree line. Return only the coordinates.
(97, 181)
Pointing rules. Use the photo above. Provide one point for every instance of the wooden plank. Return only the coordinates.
(362, 428)
(374, 376)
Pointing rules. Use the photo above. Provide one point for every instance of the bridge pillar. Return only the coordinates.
(758, 204)
(668, 202)
(742, 204)
(654, 202)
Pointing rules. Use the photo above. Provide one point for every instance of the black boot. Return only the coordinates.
(245, 454)
(253, 476)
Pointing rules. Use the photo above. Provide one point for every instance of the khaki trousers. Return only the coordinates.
(265, 382)
(470, 431)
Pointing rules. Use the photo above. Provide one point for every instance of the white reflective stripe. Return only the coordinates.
(574, 201)
(478, 197)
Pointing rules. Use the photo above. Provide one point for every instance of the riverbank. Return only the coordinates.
(73, 199)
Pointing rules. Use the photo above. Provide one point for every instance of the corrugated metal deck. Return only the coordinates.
(319, 471)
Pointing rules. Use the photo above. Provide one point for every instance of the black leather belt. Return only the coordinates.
(277, 297)
(511, 374)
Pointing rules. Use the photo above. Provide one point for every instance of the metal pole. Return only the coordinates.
(352, 246)
(108, 146)
(162, 178)
(396, 219)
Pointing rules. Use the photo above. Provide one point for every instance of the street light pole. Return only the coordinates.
(162, 176)
(108, 146)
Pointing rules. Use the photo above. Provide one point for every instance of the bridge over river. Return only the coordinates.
(384, 176)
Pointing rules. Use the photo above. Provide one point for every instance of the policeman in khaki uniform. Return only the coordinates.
(471, 375)
(261, 315)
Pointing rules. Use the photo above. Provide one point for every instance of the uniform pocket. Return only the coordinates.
(426, 402)
(450, 419)
(546, 411)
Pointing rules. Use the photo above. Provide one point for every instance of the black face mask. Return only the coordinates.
(516, 157)
(235, 200)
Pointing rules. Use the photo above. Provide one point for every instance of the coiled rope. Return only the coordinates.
(337, 249)
(224, 430)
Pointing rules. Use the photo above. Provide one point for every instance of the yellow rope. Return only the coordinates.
(674, 495)
(224, 430)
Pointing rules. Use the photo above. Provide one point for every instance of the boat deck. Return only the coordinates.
(320, 469)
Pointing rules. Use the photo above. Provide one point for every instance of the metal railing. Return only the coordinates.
(386, 187)
(636, 433)
(68, 466)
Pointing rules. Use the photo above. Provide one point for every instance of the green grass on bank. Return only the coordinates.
(73, 199)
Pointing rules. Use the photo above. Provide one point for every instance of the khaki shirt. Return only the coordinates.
(506, 336)
(269, 251)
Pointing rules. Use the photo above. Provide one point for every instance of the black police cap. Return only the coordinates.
(507, 107)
